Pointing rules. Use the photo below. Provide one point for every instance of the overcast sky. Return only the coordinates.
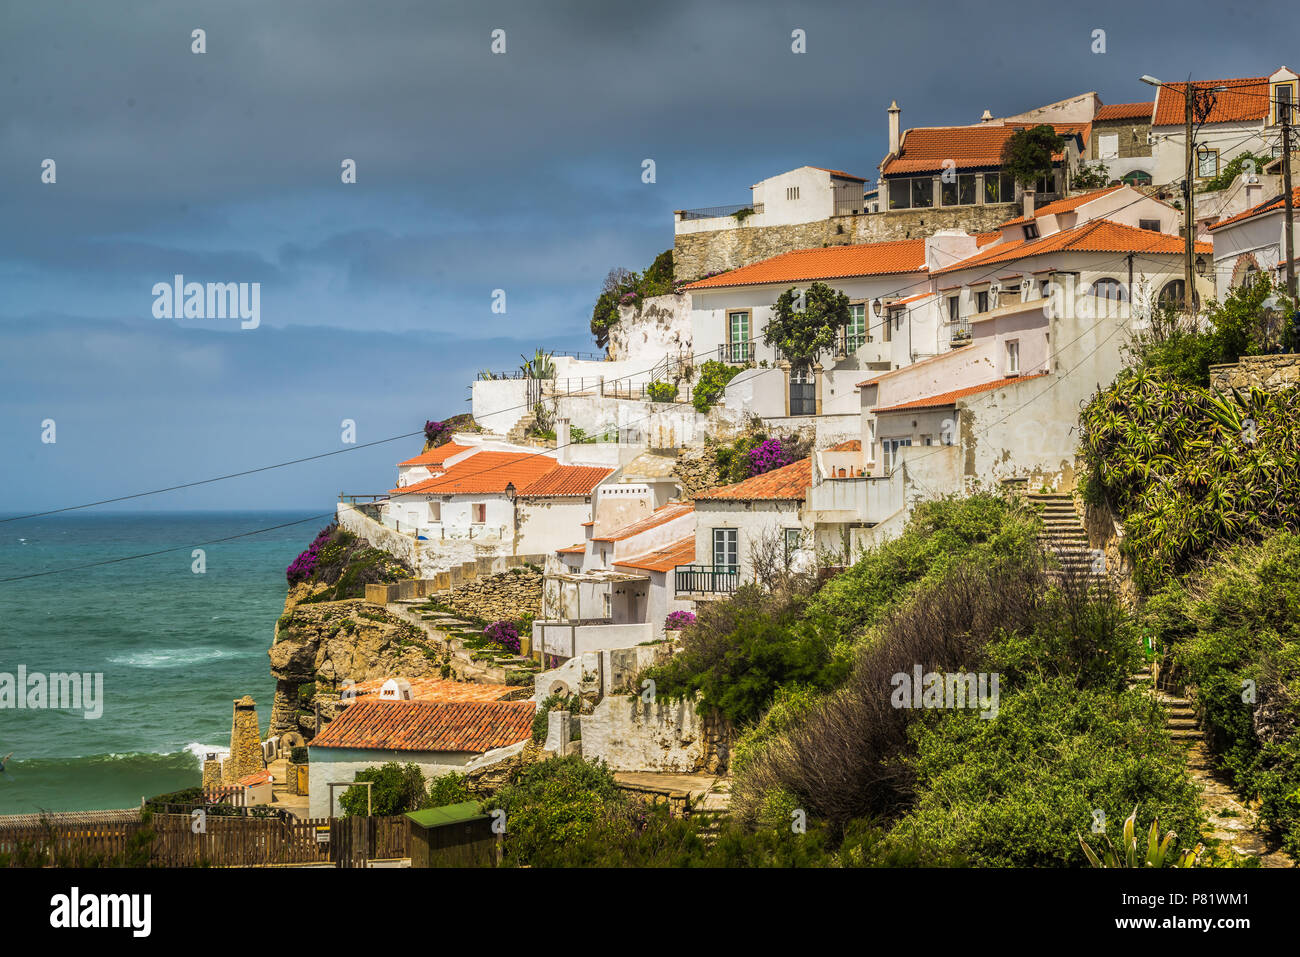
(475, 171)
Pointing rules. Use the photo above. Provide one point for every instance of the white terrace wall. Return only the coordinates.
(630, 735)
(426, 559)
(660, 326)
(499, 403)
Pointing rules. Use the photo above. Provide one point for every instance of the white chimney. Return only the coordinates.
(1028, 199)
(895, 118)
(987, 117)
(562, 441)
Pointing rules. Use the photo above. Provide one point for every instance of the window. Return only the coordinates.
(793, 542)
(999, 188)
(1207, 162)
(893, 320)
(982, 301)
(1031, 231)
(954, 308)
(1046, 184)
(792, 192)
(725, 549)
(1111, 289)
(922, 193)
(1173, 294)
(1108, 146)
(855, 333)
(960, 192)
(1151, 224)
(927, 440)
(739, 348)
(1283, 100)
(900, 194)
(435, 511)
(890, 448)
(1013, 357)
(478, 514)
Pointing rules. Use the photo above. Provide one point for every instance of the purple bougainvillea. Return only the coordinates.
(503, 633)
(436, 432)
(300, 568)
(679, 619)
(768, 455)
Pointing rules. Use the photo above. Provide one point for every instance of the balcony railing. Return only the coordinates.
(716, 212)
(716, 579)
(852, 343)
(737, 353)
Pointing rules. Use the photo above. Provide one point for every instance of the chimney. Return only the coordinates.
(562, 441)
(895, 117)
(1028, 198)
(987, 117)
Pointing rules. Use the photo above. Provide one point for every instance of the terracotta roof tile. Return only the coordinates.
(681, 552)
(256, 778)
(1246, 99)
(437, 455)
(831, 262)
(788, 483)
(1064, 205)
(437, 689)
(1124, 111)
(580, 549)
(664, 513)
(924, 149)
(566, 480)
(840, 173)
(948, 398)
(1268, 206)
(1097, 236)
(482, 473)
(428, 726)
(904, 302)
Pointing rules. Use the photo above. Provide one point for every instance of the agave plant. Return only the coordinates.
(540, 366)
(1155, 854)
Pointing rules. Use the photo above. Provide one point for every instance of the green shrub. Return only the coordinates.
(554, 702)
(398, 788)
(447, 789)
(661, 391)
(714, 376)
(551, 805)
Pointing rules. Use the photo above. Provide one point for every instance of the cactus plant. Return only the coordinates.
(1155, 855)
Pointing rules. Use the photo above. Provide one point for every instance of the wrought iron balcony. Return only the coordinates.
(715, 579)
(737, 353)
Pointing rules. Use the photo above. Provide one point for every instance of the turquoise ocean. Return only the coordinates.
(175, 648)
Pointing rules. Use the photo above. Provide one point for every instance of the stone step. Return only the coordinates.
(1183, 734)
(1181, 722)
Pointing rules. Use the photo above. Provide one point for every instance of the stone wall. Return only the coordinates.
(695, 254)
(506, 596)
(1270, 373)
(245, 743)
(696, 472)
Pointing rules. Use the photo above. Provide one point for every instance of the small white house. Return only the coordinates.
(1252, 243)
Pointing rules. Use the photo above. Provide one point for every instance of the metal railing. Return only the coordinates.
(715, 212)
(352, 499)
(852, 343)
(716, 579)
(737, 352)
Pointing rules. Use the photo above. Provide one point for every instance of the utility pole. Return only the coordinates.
(1289, 252)
(1189, 219)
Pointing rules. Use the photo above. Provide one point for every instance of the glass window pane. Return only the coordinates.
(966, 190)
(922, 193)
(900, 194)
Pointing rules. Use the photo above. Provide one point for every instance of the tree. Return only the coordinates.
(1027, 154)
(1091, 176)
(808, 323)
(397, 788)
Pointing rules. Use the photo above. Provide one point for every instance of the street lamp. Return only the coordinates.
(1200, 265)
(511, 492)
(875, 306)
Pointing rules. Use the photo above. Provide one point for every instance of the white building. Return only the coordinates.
(1252, 243)
(808, 194)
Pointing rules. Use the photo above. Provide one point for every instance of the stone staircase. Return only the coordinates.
(518, 434)
(442, 630)
(1063, 534)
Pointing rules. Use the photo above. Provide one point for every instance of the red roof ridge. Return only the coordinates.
(463, 726)
(788, 483)
(825, 262)
(1268, 206)
(950, 397)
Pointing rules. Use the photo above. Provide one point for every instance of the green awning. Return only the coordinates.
(451, 814)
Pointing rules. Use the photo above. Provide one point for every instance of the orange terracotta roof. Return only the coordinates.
(567, 480)
(983, 239)
(831, 262)
(437, 689)
(1097, 236)
(1124, 111)
(788, 483)
(924, 149)
(840, 173)
(256, 778)
(1245, 99)
(572, 550)
(664, 513)
(948, 398)
(428, 725)
(1065, 205)
(903, 302)
(1270, 205)
(484, 473)
(852, 445)
(681, 552)
(437, 455)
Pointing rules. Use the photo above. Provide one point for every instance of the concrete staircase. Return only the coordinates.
(1063, 534)
(518, 433)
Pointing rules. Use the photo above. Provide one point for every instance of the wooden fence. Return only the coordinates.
(220, 841)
